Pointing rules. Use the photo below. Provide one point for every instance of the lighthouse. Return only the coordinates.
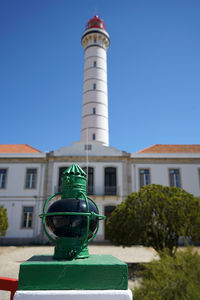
(95, 41)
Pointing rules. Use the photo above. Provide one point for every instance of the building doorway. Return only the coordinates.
(107, 212)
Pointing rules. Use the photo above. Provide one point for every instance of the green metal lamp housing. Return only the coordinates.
(73, 221)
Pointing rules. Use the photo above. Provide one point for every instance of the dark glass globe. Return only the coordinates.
(71, 226)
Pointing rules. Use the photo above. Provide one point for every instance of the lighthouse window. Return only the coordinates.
(94, 136)
(94, 64)
(94, 111)
(94, 86)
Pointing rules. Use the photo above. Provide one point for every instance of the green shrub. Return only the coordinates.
(156, 216)
(171, 278)
(3, 221)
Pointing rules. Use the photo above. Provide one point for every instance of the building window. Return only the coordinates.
(61, 170)
(94, 64)
(3, 174)
(90, 179)
(94, 111)
(107, 212)
(27, 221)
(110, 181)
(31, 176)
(88, 147)
(95, 40)
(144, 177)
(199, 177)
(94, 136)
(174, 178)
(94, 86)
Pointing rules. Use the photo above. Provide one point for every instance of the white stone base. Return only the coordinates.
(74, 295)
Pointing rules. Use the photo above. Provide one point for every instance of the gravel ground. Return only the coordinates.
(11, 257)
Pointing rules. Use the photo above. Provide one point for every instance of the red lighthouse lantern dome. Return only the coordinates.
(95, 22)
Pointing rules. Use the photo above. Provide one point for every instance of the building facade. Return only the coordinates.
(170, 165)
(29, 177)
(22, 173)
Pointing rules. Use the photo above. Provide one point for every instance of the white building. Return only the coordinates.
(170, 165)
(22, 175)
(29, 177)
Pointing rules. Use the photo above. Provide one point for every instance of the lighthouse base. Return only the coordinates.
(74, 295)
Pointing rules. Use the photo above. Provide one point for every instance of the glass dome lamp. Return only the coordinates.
(72, 221)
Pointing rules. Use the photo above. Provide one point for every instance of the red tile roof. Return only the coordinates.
(157, 148)
(18, 148)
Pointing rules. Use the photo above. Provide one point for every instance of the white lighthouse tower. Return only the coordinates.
(95, 41)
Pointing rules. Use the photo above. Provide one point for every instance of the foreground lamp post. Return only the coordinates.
(72, 222)
(71, 273)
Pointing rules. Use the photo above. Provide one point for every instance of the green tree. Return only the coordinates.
(156, 216)
(3, 221)
(171, 278)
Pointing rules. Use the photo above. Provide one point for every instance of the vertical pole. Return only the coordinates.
(87, 153)
(87, 160)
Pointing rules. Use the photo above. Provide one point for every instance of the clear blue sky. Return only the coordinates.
(153, 71)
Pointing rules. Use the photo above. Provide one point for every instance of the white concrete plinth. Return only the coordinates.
(74, 295)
